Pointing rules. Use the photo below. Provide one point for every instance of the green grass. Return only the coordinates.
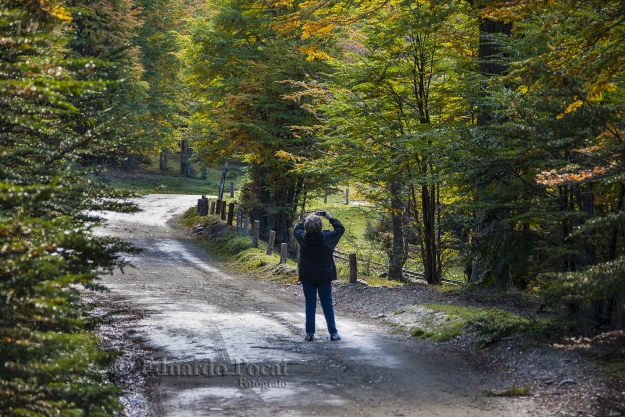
(235, 251)
(162, 184)
(353, 216)
(444, 323)
(151, 180)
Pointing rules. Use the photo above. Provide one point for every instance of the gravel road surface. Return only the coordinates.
(219, 344)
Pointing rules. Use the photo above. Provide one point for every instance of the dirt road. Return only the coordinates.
(228, 345)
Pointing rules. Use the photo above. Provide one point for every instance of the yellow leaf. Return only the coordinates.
(55, 10)
(286, 156)
(571, 108)
(280, 3)
(313, 52)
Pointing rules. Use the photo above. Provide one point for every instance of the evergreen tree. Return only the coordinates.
(48, 363)
(106, 32)
(559, 180)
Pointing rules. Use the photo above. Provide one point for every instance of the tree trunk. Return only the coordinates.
(428, 206)
(616, 316)
(185, 154)
(489, 64)
(489, 48)
(272, 202)
(618, 208)
(397, 256)
(163, 159)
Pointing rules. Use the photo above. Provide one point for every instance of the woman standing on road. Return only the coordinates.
(317, 269)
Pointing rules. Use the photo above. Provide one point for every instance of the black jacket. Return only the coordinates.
(316, 263)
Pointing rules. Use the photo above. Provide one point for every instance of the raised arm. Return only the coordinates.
(338, 227)
(299, 231)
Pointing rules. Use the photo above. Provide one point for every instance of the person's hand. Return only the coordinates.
(328, 215)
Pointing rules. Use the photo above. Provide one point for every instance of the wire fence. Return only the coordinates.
(382, 268)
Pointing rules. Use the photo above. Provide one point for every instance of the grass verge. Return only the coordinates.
(447, 321)
(235, 252)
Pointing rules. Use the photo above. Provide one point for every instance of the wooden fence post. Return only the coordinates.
(246, 226)
(239, 220)
(202, 207)
(231, 189)
(284, 247)
(347, 196)
(230, 213)
(255, 233)
(218, 207)
(212, 207)
(325, 198)
(272, 240)
(223, 210)
(353, 268)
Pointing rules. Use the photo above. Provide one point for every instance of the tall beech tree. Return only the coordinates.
(583, 86)
(384, 109)
(490, 221)
(240, 71)
(557, 136)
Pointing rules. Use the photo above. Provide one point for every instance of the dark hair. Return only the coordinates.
(312, 224)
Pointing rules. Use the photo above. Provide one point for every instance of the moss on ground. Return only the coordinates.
(448, 321)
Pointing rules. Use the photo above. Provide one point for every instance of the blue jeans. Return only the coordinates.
(325, 296)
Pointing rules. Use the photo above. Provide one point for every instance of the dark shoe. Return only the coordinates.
(310, 337)
(334, 337)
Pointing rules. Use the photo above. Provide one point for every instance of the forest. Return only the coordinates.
(489, 135)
